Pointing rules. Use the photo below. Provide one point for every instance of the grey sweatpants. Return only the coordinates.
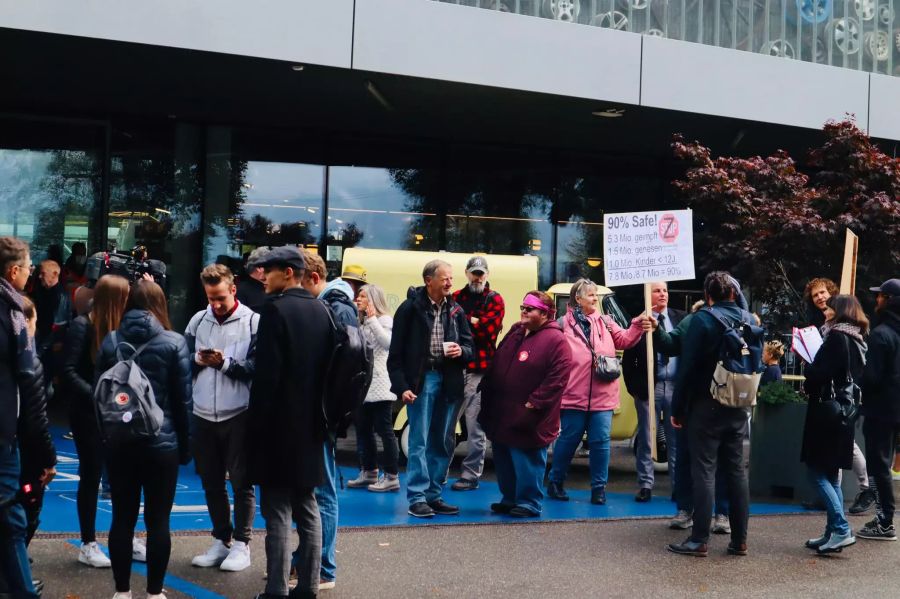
(281, 508)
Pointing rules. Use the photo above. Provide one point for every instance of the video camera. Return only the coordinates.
(132, 266)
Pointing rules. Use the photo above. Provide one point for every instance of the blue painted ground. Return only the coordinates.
(357, 507)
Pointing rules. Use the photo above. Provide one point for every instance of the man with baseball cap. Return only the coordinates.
(484, 310)
(286, 427)
(881, 406)
(250, 290)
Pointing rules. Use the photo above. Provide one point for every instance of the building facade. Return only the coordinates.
(204, 129)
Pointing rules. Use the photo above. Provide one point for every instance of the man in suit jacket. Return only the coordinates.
(634, 370)
(295, 341)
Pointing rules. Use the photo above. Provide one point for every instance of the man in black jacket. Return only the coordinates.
(881, 406)
(430, 347)
(250, 288)
(634, 370)
(295, 341)
(715, 432)
(16, 363)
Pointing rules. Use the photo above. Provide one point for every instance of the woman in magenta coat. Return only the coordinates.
(520, 400)
(589, 401)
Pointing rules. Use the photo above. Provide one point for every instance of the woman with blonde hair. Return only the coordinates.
(82, 341)
(374, 416)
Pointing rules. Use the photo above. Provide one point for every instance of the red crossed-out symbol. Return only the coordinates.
(668, 228)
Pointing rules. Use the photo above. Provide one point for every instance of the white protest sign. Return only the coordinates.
(643, 247)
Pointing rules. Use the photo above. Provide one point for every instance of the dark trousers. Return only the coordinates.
(15, 571)
(880, 437)
(683, 485)
(133, 469)
(716, 436)
(90, 467)
(371, 418)
(221, 447)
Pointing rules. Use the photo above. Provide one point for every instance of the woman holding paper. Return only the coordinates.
(829, 429)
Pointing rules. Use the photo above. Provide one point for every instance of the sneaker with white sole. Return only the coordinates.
(138, 550)
(720, 525)
(91, 555)
(325, 585)
(122, 595)
(213, 557)
(238, 557)
(156, 596)
(682, 520)
(365, 478)
(876, 531)
(389, 482)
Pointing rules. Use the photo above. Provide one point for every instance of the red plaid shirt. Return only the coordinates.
(488, 308)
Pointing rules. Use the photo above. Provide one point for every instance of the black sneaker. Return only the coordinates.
(522, 512)
(442, 508)
(420, 509)
(643, 495)
(865, 501)
(598, 496)
(464, 484)
(876, 531)
(556, 491)
(501, 508)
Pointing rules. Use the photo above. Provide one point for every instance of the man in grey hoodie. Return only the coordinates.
(222, 341)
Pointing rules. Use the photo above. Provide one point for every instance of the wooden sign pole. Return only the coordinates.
(651, 372)
(848, 271)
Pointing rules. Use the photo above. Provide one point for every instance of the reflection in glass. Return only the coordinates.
(49, 198)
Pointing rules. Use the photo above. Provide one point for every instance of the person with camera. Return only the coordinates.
(148, 465)
(832, 386)
(16, 362)
(592, 392)
(222, 342)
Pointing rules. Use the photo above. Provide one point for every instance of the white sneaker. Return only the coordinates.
(156, 596)
(721, 525)
(682, 520)
(325, 585)
(138, 550)
(91, 555)
(390, 482)
(125, 595)
(213, 557)
(238, 557)
(365, 478)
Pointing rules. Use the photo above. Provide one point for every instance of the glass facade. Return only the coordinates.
(194, 194)
(855, 34)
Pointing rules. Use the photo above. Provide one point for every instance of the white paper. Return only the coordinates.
(806, 343)
(645, 247)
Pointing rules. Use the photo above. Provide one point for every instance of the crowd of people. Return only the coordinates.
(551, 382)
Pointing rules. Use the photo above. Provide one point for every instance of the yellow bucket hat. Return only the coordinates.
(354, 272)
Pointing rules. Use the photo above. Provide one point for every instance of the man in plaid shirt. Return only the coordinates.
(484, 311)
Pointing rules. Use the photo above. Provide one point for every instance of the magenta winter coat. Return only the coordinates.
(585, 391)
(526, 369)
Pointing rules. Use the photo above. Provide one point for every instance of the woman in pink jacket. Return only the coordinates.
(589, 401)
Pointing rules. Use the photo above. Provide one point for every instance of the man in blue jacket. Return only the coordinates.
(715, 432)
(430, 347)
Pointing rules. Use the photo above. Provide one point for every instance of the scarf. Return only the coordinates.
(24, 343)
(851, 330)
(584, 323)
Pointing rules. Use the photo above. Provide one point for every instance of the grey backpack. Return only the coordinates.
(126, 405)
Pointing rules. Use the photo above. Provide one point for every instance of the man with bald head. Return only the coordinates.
(53, 308)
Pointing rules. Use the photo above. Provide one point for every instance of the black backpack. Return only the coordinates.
(348, 377)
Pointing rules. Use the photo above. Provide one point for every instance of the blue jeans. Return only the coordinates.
(574, 424)
(326, 498)
(643, 458)
(683, 485)
(829, 488)
(14, 566)
(520, 475)
(430, 416)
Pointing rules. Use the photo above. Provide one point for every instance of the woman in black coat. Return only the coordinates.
(77, 378)
(828, 434)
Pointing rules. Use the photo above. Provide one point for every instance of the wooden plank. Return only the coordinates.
(848, 270)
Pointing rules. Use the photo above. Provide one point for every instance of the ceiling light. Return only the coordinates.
(610, 113)
(298, 67)
(379, 97)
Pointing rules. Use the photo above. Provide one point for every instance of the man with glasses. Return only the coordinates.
(16, 364)
(484, 310)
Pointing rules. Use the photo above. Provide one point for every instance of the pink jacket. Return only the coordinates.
(585, 392)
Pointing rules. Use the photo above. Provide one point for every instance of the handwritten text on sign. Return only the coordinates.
(643, 247)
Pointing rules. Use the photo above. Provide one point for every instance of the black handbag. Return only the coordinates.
(845, 398)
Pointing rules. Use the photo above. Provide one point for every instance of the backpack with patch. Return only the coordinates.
(739, 365)
(348, 377)
(126, 405)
